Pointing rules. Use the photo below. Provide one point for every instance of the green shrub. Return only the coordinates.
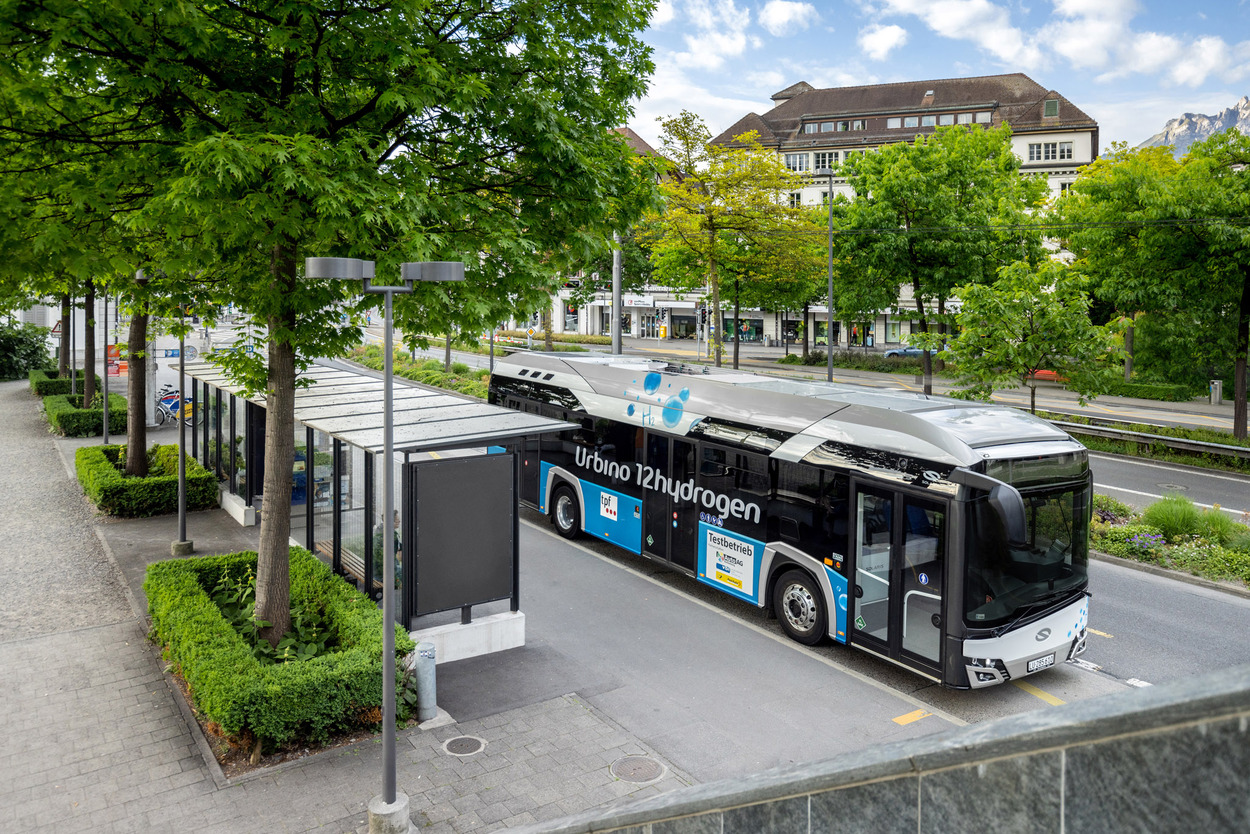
(428, 372)
(116, 494)
(1240, 540)
(1110, 510)
(1175, 516)
(44, 382)
(67, 416)
(1150, 391)
(790, 359)
(1132, 541)
(460, 368)
(1215, 525)
(305, 700)
(23, 348)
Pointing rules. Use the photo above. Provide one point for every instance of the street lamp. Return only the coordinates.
(353, 269)
(828, 172)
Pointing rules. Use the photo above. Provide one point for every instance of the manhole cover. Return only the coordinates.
(637, 769)
(463, 745)
(1173, 488)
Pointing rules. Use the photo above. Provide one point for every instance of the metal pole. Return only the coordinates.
(182, 435)
(388, 573)
(616, 293)
(106, 369)
(73, 355)
(829, 312)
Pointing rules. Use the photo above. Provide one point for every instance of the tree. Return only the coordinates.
(1031, 319)
(1170, 241)
(936, 214)
(714, 195)
(396, 131)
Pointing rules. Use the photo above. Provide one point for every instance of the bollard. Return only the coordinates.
(423, 666)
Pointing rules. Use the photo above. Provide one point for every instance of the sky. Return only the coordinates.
(1130, 64)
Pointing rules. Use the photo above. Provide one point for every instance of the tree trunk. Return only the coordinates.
(547, 340)
(447, 352)
(62, 366)
(137, 391)
(88, 351)
(273, 563)
(1128, 352)
(828, 346)
(927, 360)
(737, 323)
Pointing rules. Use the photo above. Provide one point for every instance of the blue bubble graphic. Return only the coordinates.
(652, 383)
(630, 410)
(672, 412)
(684, 394)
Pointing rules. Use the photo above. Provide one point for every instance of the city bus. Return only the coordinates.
(945, 536)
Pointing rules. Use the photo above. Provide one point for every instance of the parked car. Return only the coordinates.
(906, 350)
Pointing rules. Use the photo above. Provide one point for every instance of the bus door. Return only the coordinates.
(899, 569)
(669, 526)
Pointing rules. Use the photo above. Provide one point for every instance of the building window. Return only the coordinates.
(911, 121)
(928, 121)
(796, 199)
(857, 124)
(1063, 187)
(1051, 107)
(946, 119)
(796, 161)
(811, 127)
(843, 127)
(826, 159)
(826, 127)
(893, 123)
(965, 118)
(1035, 152)
(1049, 151)
(1065, 150)
(983, 117)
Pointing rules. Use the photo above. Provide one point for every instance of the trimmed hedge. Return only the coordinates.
(336, 692)
(45, 382)
(116, 494)
(67, 416)
(1151, 391)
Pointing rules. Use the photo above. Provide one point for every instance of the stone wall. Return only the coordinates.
(1174, 757)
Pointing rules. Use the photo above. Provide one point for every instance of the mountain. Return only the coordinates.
(1194, 127)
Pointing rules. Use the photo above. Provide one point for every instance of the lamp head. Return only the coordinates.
(431, 271)
(338, 269)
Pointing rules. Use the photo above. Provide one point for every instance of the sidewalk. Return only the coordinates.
(92, 735)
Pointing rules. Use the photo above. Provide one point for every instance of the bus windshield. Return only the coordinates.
(1005, 583)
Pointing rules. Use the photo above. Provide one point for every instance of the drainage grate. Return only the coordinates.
(637, 769)
(464, 745)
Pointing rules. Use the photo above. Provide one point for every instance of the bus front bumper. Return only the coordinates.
(1041, 644)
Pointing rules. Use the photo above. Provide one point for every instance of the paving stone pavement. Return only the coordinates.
(92, 737)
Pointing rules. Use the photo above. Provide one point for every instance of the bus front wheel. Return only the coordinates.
(797, 602)
(565, 512)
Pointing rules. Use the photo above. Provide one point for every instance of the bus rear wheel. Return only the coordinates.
(797, 603)
(565, 512)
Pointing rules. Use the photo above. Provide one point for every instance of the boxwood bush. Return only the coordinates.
(67, 416)
(306, 700)
(44, 382)
(116, 494)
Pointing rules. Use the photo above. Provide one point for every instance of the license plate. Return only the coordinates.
(1041, 663)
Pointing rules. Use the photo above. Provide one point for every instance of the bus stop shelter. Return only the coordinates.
(457, 531)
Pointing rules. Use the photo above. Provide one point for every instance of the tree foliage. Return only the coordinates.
(934, 215)
(1171, 240)
(715, 198)
(1031, 319)
(249, 136)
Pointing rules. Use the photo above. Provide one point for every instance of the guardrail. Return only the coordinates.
(1145, 439)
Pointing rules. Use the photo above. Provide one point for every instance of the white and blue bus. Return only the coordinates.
(948, 537)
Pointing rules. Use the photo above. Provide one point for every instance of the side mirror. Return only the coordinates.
(1004, 498)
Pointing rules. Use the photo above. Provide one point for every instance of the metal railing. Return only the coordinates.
(1146, 439)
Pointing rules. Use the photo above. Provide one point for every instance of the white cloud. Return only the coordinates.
(782, 17)
(878, 41)
(979, 21)
(673, 91)
(720, 32)
(662, 14)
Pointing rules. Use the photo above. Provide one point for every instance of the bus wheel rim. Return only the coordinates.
(564, 512)
(799, 607)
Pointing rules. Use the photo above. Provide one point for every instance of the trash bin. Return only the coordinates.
(1217, 392)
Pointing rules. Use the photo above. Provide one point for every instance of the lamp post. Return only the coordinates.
(353, 269)
(828, 172)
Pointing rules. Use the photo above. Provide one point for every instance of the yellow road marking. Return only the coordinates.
(1100, 633)
(1045, 696)
(912, 717)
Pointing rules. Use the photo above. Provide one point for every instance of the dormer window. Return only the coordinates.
(1050, 108)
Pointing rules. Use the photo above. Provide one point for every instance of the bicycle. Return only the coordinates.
(171, 406)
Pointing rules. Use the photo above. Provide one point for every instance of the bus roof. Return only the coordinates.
(676, 398)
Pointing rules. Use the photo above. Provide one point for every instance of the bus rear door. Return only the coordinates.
(899, 568)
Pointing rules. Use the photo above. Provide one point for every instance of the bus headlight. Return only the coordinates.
(987, 669)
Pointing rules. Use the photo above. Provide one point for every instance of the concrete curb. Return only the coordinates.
(1187, 578)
